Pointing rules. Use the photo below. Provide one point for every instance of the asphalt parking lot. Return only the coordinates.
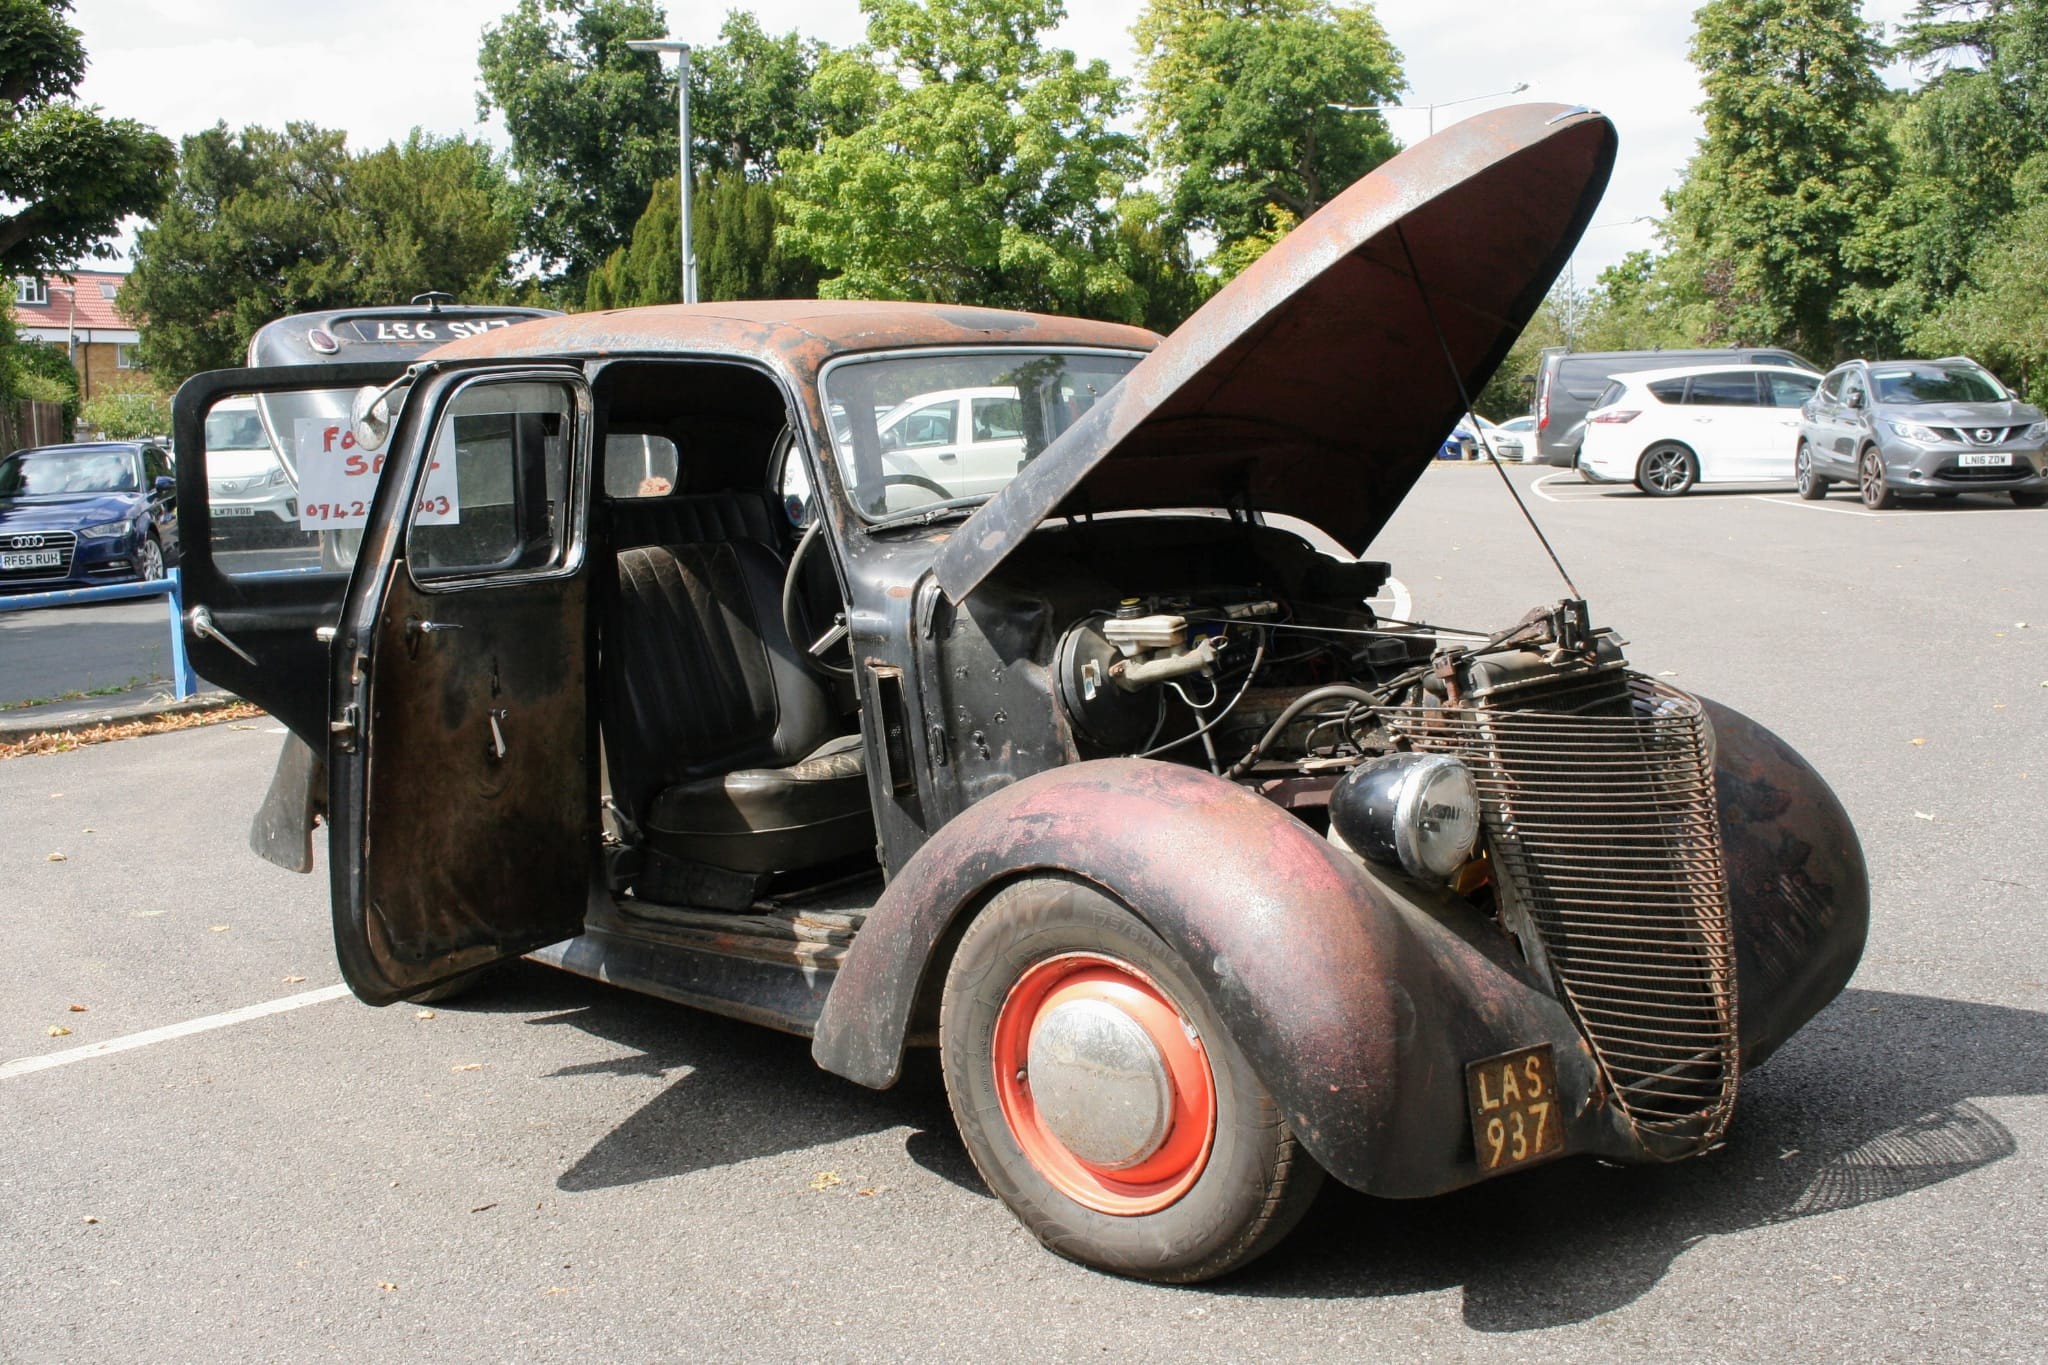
(555, 1169)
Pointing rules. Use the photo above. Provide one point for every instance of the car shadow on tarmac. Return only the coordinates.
(1873, 1100)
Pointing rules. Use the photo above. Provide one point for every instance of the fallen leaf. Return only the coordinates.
(825, 1180)
(78, 1009)
(1922, 815)
(1918, 742)
(468, 1066)
(556, 1289)
(56, 1030)
(1998, 706)
(91, 1218)
(90, 830)
(293, 980)
(149, 914)
(386, 1285)
(480, 1208)
(60, 858)
(872, 1192)
(2019, 625)
(424, 1014)
(1788, 1154)
(216, 928)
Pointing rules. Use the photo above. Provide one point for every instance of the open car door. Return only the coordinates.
(462, 787)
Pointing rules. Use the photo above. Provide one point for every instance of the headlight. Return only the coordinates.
(105, 532)
(275, 476)
(2038, 432)
(1914, 432)
(1416, 811)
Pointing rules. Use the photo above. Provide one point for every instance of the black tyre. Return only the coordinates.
(1811, 486)
(1579, 468)
(453, 987)
(1667, 470)
(2029, 497)
(1877, 494)
(1058, 999)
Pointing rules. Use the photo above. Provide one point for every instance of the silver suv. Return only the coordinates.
(1943, 427)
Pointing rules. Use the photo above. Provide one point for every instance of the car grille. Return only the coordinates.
(1967, 436)
(64, 542)
(2018, 469)
(1602, 821)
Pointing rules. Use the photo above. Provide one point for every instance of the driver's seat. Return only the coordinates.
(724, 748)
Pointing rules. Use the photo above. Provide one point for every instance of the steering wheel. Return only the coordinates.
(813, 654)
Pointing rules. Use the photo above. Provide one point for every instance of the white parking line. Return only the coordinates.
(1811, 506)
(1537, 487)
(22, 1066)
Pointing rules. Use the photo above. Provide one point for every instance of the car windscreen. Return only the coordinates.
(954, 426)
(235, 429)
(1935, 384)
(55, 473)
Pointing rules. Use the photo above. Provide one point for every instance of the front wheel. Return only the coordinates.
(1812, 486)
(1101, 1098)
(149, 560)
(1877, 494)
(1667, 470)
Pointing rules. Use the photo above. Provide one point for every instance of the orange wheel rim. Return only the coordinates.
(1133, 1005)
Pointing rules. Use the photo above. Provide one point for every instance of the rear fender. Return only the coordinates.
(1355, 1007)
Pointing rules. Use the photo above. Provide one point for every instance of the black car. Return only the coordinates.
(72, 516)
(660, 662)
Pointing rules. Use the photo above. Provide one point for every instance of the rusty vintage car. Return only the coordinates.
(675, 655)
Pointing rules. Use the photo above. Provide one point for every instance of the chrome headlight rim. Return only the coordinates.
(1392, 810)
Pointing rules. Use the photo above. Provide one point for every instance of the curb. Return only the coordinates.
(15, 726)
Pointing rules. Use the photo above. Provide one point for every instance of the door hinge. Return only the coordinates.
(343, 732)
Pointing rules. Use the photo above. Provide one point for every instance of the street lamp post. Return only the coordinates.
(1432, 108)
(682, 51)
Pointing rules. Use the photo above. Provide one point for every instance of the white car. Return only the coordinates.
(251, 495)
(955, 443)
(1666, 431)
(1508, 447)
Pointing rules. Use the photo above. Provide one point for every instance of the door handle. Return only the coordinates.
(200, 621)
(498, 746)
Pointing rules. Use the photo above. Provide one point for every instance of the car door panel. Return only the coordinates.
(251, 622)
(463, 789)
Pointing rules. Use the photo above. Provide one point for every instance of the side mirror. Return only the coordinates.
(369, 413)
(1856, 399)
(165, 485)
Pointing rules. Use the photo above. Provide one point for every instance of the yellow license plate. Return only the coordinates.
(1516, 1119)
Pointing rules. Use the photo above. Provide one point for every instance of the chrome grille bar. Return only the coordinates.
(1605, 830)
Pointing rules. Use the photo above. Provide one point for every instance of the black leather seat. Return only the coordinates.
(723, 747)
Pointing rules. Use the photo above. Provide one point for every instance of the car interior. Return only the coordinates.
(733, 759)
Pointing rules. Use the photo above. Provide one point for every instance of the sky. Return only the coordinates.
(377, 68)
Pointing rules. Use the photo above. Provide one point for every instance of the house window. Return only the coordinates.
(108, 289)
(31, 290)
(125, 357)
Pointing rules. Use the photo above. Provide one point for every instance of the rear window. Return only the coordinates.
(1609, 396)
(1668, 390)
(1790, 390)
(1734, 389)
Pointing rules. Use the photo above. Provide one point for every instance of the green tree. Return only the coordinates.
(1236, 98)
(2000, 316)
(733, 231)
(127, 414)
(261, 223)
(751, 97)
(1154, 252)
(986, 172)
(39, 370)
(67, 176)
(1793, 162)
(592, 124)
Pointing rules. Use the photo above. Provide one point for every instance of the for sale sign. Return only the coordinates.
(337, 478)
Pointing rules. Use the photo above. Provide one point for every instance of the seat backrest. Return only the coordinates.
(692, 519)
(700, 676)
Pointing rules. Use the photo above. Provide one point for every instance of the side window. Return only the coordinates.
(1609, 396)
(1668, 390)
(495, 498)
(1734, 388)
(931, 426)
(1790, 390)
(998, 419)
(154, 466)
(639, 466)
(1831, 389)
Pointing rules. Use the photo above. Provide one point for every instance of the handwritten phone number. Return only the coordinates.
(355, 511)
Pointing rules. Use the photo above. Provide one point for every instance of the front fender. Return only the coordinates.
(1356, 1003)
(1798, 888)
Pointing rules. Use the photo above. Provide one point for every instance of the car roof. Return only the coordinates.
(1689, 371)
(103, 447)
(806, 333)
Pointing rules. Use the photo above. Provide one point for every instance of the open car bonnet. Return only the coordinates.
(1316, 383)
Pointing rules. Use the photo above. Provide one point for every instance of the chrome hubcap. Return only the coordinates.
(1100, 1084)
(1667, 471)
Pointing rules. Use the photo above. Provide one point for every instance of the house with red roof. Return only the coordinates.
(79, 314)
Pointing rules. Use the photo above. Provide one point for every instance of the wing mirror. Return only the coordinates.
(165, 485)
(370, 413)
(1856, 399)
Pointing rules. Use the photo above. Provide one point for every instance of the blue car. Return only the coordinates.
(75, 515)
